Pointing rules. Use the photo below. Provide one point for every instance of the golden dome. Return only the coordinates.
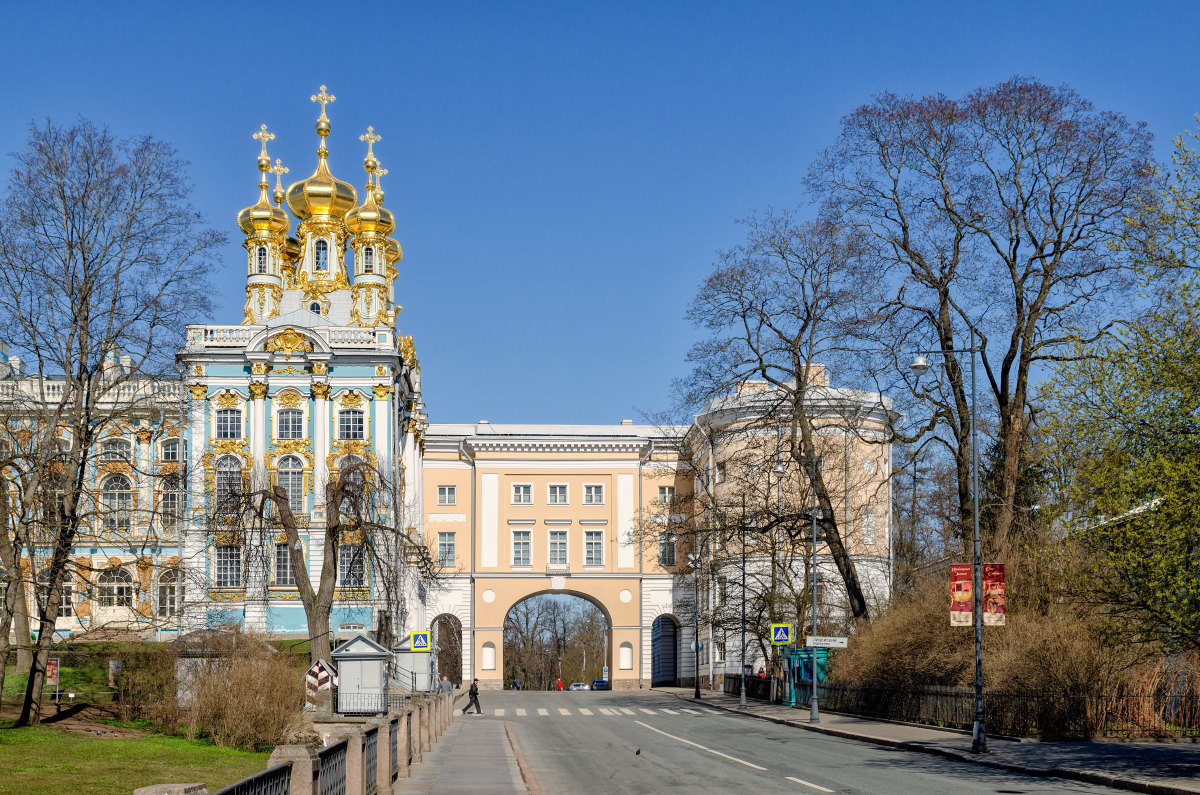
(322, 194)
(369, 217)
(263, 216)
(291, 249)
(394, 252)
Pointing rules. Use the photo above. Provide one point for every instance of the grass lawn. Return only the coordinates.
(44, 759)
(76, 680)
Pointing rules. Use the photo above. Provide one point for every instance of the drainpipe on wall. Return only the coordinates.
(462, 452)
(641, 567)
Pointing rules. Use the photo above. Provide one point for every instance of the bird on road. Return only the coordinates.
(638, 752)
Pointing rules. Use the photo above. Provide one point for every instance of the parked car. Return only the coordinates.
(577, 686)
(600, 684)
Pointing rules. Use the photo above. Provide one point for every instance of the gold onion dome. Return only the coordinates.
(322, 194)
(262, 216)
(369, 217)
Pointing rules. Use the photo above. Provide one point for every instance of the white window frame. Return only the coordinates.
(175, 445)
(227, 563)
(528, 493)
(361, 566)
(551, 499)
(666, 495)
(719, 472)
(220, 430)
(345, 415)
(527, 541)
(282, 553)
(597, 490)
(447, 495)
(115, 588)
(566, 546)
(317, 260)
(668, 540)
(587, 561)
(280, 426)
(868, 527)
(167, 604)
(260, 259)
(447, 543)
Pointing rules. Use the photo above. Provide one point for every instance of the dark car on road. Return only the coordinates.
(600, 684)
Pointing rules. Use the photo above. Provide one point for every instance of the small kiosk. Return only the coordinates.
(362, 677)
(414, 663)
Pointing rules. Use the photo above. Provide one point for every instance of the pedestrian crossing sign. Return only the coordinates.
(419, 641)
(781, 634)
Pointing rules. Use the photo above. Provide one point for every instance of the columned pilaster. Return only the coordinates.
(195, 570)
(145, 486)
(320, 394)
(258, 434)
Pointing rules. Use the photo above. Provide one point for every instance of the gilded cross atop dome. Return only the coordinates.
(264, 136)
(379, 174)
(371, 138)
(279, 170)
(324, 99)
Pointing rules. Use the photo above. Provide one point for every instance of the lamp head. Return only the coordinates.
(779, 468)
(919, 365)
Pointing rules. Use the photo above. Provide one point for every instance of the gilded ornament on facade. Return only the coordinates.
(197, 369)
(320, 368)
(289, 399)
(288, 446)
(289, 341)
(320, 391)
(228, 400)
(144, 436)
(409, 353)
(315, 289)
(381, 391)
(360, 448)
(351, 400)
(198, 391)
(381, 370)
(258, 368)
(291, 369)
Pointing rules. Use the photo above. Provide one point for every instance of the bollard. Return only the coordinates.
(305, 767)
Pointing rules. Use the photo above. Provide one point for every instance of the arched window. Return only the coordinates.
(625, 658)
(229, 423)
(115, 450)
(321, 256)
(170, 502)
(261, 259)
(114, 588)
(291, 424)
(171, 450)
(488, 663)
(116, 502)
(368, 260)
(291, 480)
(168, 593)
(350, 424)
(314, 307)
(66, 604)
(228, 483)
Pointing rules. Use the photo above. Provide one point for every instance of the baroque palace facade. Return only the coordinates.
(317, 375)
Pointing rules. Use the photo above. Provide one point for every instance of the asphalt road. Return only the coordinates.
(588, 742)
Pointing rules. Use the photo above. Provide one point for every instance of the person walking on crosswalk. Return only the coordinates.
(473, 693)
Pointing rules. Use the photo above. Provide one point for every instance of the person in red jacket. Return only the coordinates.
(560, 685)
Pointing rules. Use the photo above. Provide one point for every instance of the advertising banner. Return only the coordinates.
(993, 594)
(961, 611)
(52, 672)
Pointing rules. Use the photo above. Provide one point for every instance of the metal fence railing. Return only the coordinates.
(758, 688)
(409, 734)
(333, 768)
(360, 703)
(371, 761)
(393, 735)
(272, 781)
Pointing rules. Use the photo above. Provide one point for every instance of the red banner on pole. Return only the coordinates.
(961, 610)
(52, 672)
(993, 594)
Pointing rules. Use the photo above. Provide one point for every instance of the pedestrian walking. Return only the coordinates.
(445, 686)
(473, 693)
(560, 685)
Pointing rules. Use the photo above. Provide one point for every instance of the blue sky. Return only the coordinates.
(561, 173)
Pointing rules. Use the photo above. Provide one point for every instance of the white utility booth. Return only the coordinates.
(362, 676)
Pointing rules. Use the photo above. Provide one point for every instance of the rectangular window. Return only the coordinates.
(593, 495)
(227, 567)
(290, 425)
(666, 549)
(283, 574)
(558, 495)
(521, 548)
(350, 424)
(446, 496)
(229, 423)
(66, 608)
(593, 548)
(868, 527)
(721, 474)
(558, 547)
(172, 502)
(170, 450)
(445, 549)
(666, 496)
(351, 566)
(522, 494)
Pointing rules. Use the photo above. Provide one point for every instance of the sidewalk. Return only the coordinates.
(472, 756)
(1140, 767)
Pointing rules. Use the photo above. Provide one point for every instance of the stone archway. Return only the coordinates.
(555, 634)
(665, 638)
(447, 638)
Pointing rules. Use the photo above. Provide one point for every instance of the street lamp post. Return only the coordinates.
(742, 688)
(694, 560)
(919, 365)
(814, 712)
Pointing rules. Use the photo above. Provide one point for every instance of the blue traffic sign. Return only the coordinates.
(781, 634)
(419, 641)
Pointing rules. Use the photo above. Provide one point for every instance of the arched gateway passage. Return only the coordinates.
(664, 652)
(447, 644)
(548, 637)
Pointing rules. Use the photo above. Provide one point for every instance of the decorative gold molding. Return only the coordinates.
(289, 399)
(382, 391)
(291, 369)
(229, 400)
(320, 368)
(144, 437)
(198, 391)
(351, 400)
(215, 595)
(197, 369)
(381, 370)
(409, 353)
(289, 341)
(320, 391)
(258, 390)
(258, 368)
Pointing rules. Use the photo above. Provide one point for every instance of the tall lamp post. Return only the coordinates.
(814, 712)
(742, 688)
(919, 365)
(694, 562)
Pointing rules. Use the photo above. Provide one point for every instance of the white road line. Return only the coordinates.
(562, 711)
(673, 712)
(698, 712)
(542, 712)
(807, 783)
(702, 748)
(647, 711)
(583, 711)
(628, 711)
(500, 712)
(521, 713)
(607, 711)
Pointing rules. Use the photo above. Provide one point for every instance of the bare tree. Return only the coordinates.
(1000, 214)
(102, 261)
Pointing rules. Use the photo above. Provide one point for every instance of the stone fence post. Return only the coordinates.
(383, 756)
(415, 739)
(306, 766)
(426, 726)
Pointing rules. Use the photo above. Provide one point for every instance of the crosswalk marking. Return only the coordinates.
(647, 711)
(583, 711)
(562, 711)
(628, 711)
(607, 711)
(696, 711)
(500, 713)
(672, 712)
(542, 712)
(520, 712)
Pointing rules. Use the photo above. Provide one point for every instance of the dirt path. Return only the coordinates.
(86, 719)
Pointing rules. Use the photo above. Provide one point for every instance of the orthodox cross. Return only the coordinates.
(324, 99)
(279, 170)
(264, 136)
(370, 138)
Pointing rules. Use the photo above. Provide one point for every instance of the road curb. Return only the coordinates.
(1086, 776)
(531, 782)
